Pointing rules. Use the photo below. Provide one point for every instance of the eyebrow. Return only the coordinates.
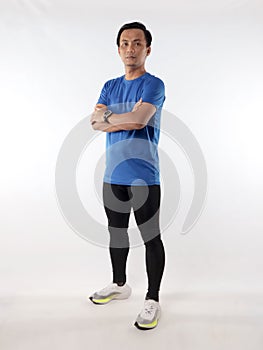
(132, 40)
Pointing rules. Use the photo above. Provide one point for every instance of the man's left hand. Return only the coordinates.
(97, 115)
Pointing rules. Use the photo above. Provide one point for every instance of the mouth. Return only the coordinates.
(130, 57)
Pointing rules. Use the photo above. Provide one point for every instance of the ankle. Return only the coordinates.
(120, 284)
(152, 298)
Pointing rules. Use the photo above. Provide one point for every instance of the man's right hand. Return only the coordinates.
(137, 105)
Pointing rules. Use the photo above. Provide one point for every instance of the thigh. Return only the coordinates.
(117, 205)
(146, 204)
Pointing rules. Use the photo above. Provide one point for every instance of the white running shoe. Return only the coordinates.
(111, 292)
(149, 316)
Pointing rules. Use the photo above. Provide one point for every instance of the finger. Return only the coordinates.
(100, 107)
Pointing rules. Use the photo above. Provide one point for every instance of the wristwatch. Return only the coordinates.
(106, 115)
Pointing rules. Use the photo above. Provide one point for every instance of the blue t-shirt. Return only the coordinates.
(132, 155)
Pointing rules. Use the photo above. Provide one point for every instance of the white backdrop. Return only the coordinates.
(55, 57)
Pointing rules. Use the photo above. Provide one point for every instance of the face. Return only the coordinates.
(132, 49)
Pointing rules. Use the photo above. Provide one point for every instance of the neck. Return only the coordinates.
(131, 73)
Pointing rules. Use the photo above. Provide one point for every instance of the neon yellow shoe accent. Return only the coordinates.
(149, 325)
(105, 300)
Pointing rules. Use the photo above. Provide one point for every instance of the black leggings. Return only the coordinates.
(145, 201)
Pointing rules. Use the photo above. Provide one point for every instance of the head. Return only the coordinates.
(134, 44)
(135, 25)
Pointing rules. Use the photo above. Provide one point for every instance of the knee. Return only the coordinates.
(156, 241)
(118, 237)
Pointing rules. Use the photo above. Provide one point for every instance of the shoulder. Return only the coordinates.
(152, 79)
(112, 82)
(154, 83)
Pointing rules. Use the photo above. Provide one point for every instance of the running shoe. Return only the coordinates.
(149, 316)
(111, 292)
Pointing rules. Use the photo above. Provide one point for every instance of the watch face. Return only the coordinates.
(106, 115)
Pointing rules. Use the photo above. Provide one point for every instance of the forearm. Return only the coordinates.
(125, 121)
(105, 127)
(136, 119)
(118, 122)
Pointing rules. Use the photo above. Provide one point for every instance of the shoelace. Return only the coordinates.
(149, 309)
(107, 289)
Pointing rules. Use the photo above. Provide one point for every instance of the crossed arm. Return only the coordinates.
(136, 119)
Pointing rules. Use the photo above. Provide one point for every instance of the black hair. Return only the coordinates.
(135, 25)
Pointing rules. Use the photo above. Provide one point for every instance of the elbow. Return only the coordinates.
(132, 126)
(138, 126)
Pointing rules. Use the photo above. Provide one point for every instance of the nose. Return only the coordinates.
(130, 47)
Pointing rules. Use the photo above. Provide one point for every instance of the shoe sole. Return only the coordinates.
(145, 327)
(106, 300)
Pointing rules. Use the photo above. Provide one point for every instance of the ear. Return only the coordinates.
(119, 50)
(148, 50)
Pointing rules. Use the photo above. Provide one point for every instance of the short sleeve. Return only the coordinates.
(154, 92)
(103, 95)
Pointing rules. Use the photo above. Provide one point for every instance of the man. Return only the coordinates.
(129, 111)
